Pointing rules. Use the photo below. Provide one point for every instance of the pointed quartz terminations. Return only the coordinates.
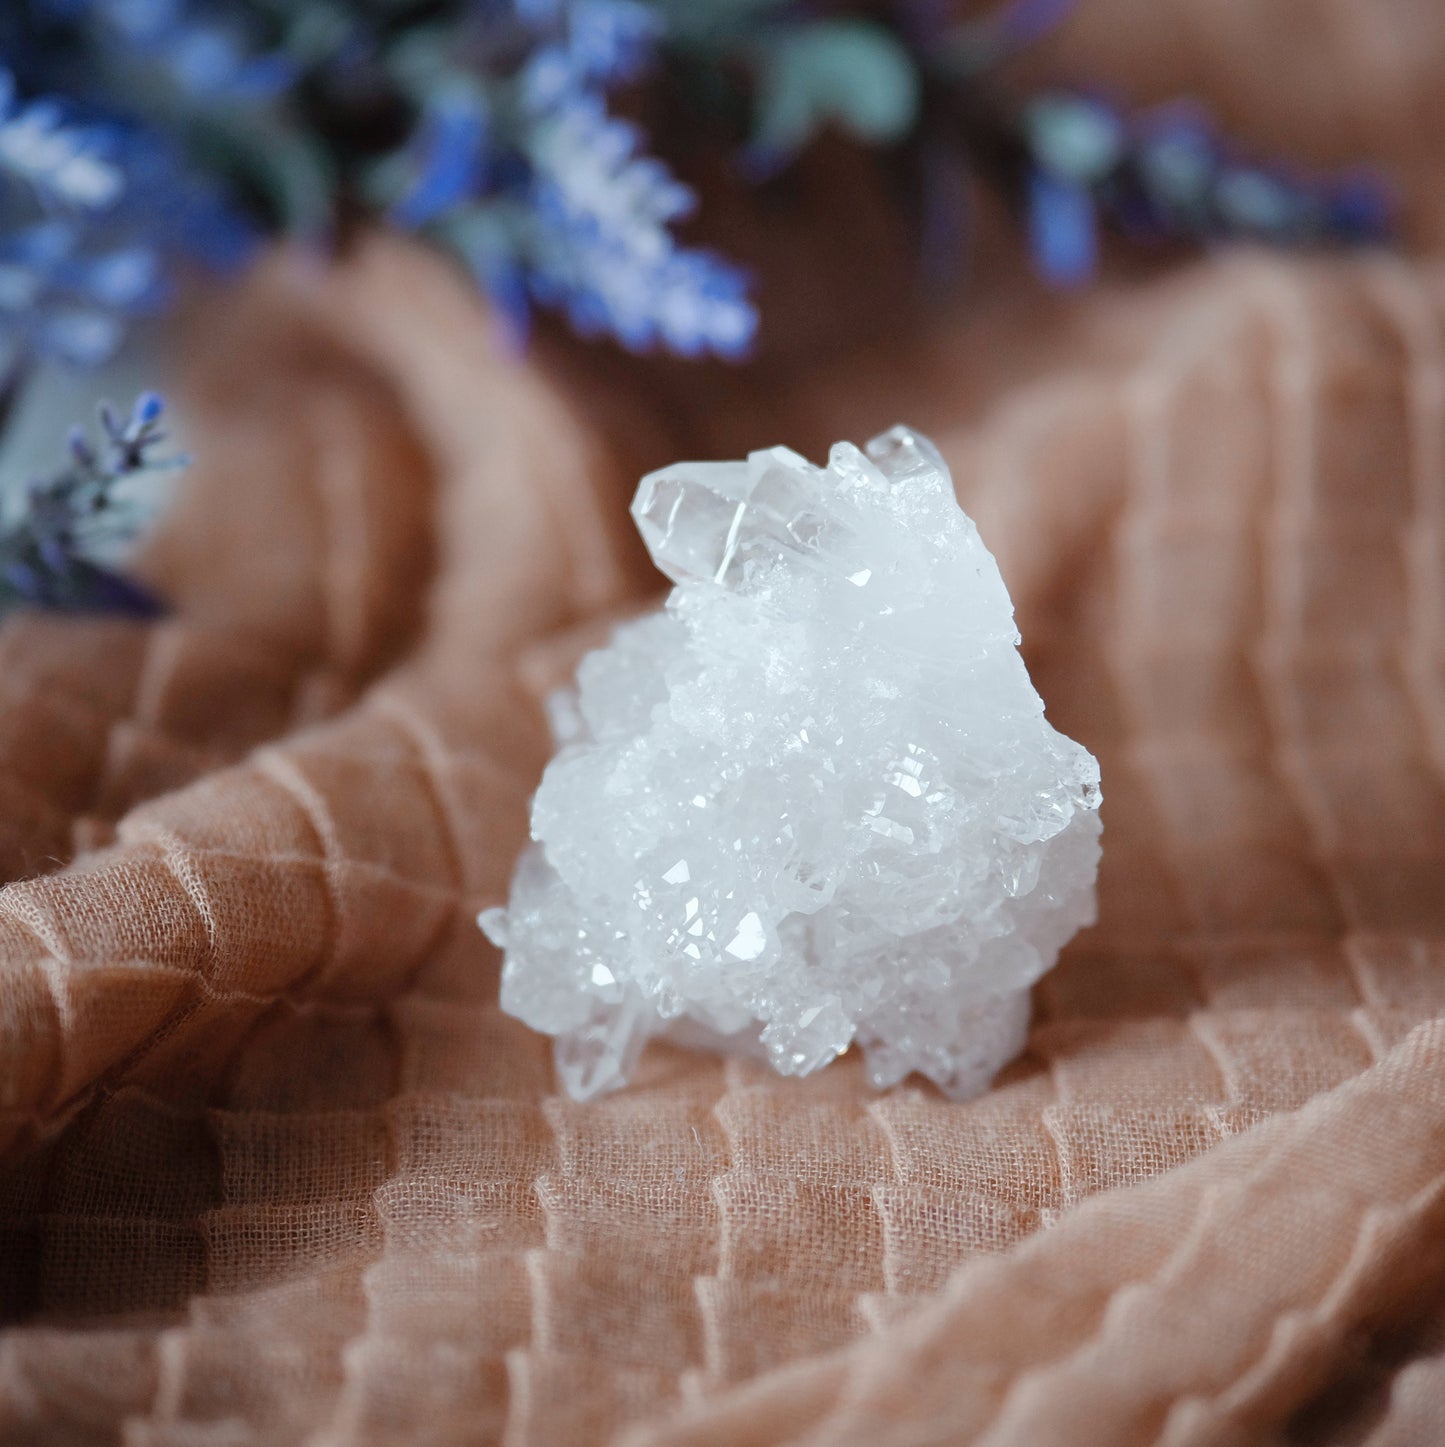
(812, 803)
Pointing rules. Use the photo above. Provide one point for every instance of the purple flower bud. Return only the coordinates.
(80, 448)
(1063, 230)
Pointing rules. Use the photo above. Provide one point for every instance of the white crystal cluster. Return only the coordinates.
(814, 803)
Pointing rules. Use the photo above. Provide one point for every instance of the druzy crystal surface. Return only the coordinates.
(813, 803)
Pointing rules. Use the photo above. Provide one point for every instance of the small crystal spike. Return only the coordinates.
(814, 802)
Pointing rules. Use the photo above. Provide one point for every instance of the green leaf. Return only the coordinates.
(849, 73)
(1075, 137)
(286, 163)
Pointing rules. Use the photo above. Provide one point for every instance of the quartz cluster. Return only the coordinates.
(812, 803)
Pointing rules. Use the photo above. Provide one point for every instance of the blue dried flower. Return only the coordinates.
(490, 126)
(448, 156)
(64, 165)
(550, 199)
(66, 282)
(49, 554)
(601, 250)
(1063, 229)
(91, 216)
(1169, 175)
(588, 43)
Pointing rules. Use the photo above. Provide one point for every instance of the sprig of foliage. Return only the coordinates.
(484, 124)
(548, 197)
(139, 135)
(1168, 175)
(1073, 164)
(51, 552)
(499, 129)
(93, 212)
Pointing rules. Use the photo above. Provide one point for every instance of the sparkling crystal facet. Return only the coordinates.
(815, 801)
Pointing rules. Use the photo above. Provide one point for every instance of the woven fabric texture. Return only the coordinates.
(274, 1168)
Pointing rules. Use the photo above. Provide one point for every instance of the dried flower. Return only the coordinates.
(549, 198)
(50, 554)
(1168, 175)
(493, 127)
(91, 215)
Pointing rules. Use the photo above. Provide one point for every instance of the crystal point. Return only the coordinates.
(814, 802)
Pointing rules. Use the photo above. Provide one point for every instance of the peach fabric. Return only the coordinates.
(275, 1169)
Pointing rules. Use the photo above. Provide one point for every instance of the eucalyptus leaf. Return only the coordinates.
(848, 73)
(1077, 138)
(286, 163)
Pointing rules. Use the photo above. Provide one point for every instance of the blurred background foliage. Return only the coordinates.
(540, 143)
(134, 133)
